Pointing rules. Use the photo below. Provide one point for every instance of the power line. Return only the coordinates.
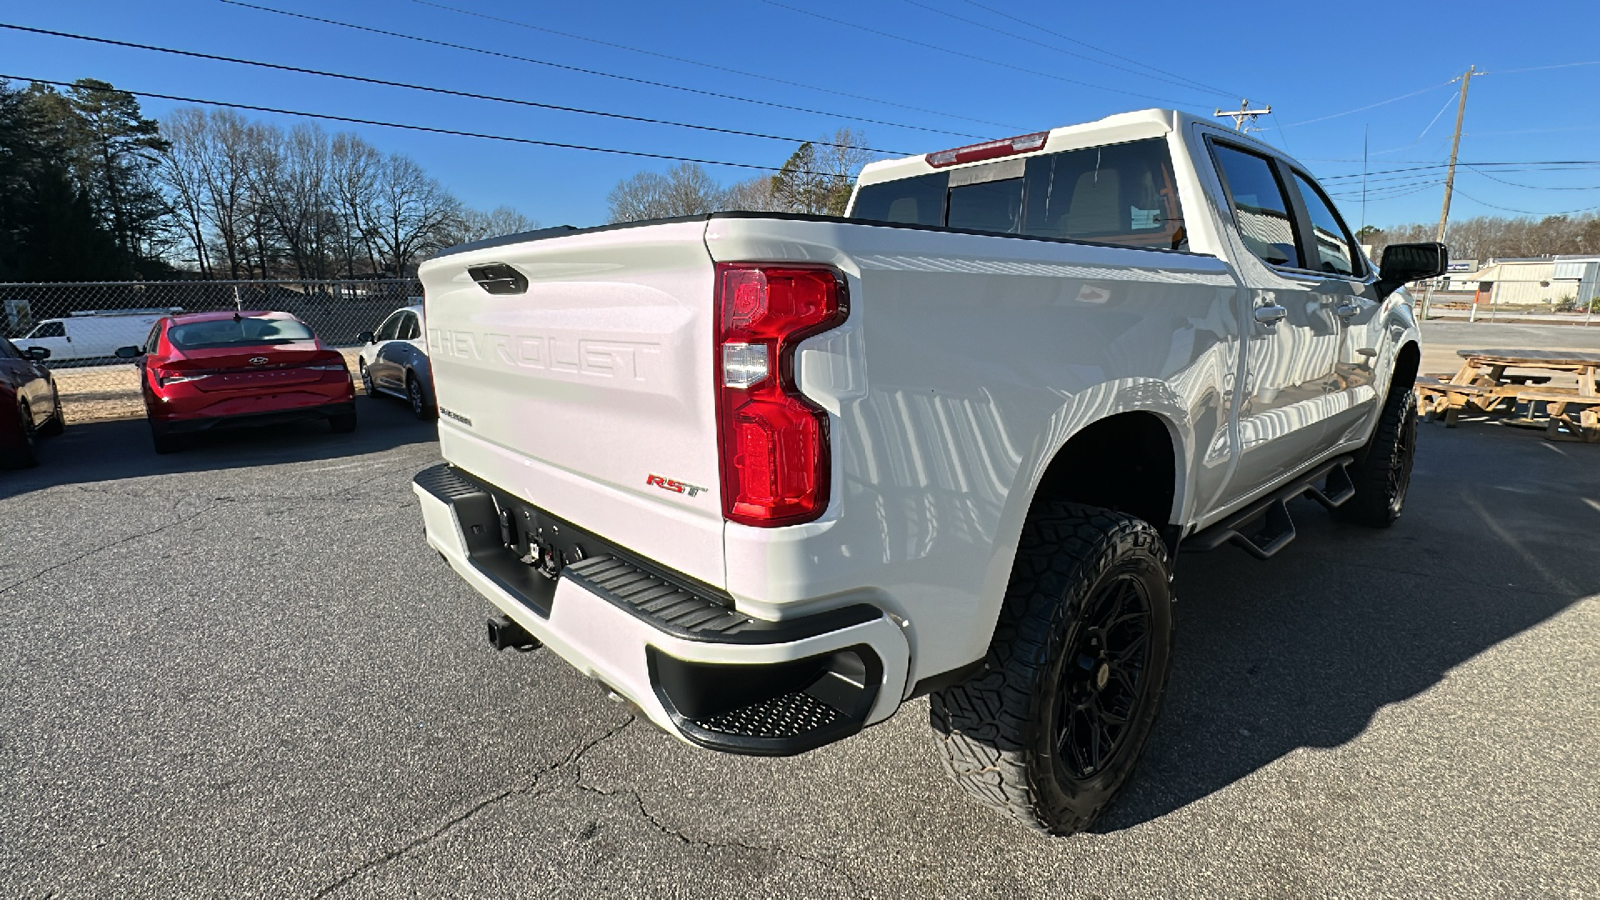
(1080, 43)
(1592, 62)
(1038, 43)
(982, 59)
(432, 90)
(1531, 187)
(713, 66)
(1525, 212)
(540, 62)
(1554, 165)
(403, 126)
(1364, 108)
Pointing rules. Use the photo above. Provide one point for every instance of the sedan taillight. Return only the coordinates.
(165, 377)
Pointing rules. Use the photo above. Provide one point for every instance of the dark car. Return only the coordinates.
(30, 405)
(203, 371)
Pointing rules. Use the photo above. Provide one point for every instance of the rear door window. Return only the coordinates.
(1260, 206)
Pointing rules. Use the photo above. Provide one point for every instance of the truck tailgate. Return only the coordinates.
(590, 393)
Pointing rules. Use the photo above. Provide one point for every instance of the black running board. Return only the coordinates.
(1271, 513)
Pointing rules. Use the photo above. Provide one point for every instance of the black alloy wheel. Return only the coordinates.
(1103, 678)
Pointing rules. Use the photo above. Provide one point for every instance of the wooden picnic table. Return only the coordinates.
(1482, 382)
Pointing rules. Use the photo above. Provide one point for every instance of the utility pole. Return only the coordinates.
(1450, 174)
(1241, 114)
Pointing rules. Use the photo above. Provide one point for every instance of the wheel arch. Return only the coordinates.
(1131, 462)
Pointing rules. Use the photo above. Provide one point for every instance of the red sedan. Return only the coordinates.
(232, 369)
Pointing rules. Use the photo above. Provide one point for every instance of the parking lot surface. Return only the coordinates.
(239, 672)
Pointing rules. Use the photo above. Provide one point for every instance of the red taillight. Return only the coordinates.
(1025, 143)
(165, 377)
(775, 463)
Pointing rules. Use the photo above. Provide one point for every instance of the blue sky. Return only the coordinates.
(1538, 102)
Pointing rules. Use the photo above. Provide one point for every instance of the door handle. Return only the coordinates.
(1269, 315)
(1346, 310)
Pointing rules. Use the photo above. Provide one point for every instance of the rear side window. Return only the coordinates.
(1259, 206)
(237, 332)
(390, 329)
(1336, 252)
(1119, 194)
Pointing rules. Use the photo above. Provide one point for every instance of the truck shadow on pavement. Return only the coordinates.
(121, 448)
(1305, 649)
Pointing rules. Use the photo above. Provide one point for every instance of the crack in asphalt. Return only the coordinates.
(215, 504)
(450, 824)
(645, 813)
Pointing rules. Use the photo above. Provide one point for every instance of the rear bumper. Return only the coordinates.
(256, 419)
(678, 652)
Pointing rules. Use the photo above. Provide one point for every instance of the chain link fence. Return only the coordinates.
(83, 324)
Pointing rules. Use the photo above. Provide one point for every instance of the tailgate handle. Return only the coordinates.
(499, 278)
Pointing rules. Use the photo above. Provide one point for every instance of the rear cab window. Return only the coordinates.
(1121, 194)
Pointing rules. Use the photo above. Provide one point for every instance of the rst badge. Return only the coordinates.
(677, 487)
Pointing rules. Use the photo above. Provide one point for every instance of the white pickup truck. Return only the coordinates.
(767, 477)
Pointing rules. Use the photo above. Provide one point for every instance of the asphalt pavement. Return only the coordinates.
(240, 672)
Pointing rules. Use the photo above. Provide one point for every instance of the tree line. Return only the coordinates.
(91, 189)
(1497, 237)
(817, 178)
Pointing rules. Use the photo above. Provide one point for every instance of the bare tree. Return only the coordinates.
(754, 195)
(411, 215)
(355, 166)
(685, 190)
(476, 225)
(181, 169)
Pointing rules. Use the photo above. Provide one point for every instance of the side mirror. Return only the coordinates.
(129, 352)
(1405, 263)
(365, 337)
(37, 354)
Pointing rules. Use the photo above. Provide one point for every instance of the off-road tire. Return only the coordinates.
(422, 406)
(57, 423)
(24, 455)
(1002, 729)
(1382, 469)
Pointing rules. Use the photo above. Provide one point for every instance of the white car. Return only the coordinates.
(394, 361)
